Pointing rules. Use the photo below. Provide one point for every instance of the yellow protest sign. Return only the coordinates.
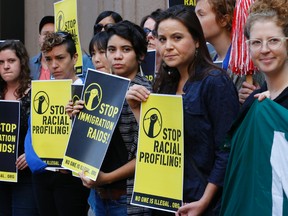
(66, 20)
(50, 125)
(191, 3)
(160, 157)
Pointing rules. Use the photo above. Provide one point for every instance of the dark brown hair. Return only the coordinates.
(24, 77)
(167, 78)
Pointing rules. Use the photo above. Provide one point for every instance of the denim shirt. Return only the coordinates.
(210, 107)
(35, 66)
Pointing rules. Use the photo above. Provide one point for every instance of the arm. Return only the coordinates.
(134, 96)
(198, 207)
(35, 164)
(221, 107)
(123, 172)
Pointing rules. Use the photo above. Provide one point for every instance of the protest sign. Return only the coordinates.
(9, 138)
(160, 156)
(148, 65)
(50, 125)
(66, 20)
(94, 126)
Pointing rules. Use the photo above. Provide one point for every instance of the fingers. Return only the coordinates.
(248, 86)
(136, 94)
(243, 96)
(262, 96)
(245, 91)
(69, 108)
(78, 106)
(73, 109)
(21, 162)
(85, 180)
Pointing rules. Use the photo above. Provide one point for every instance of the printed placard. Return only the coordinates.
(76, 91)
(148, 65)
(191, 3)
(9, 138)
(93, 127)
(160, 157)
(66, 19)
(50, 125)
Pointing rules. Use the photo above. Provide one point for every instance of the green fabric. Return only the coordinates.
(248, 181)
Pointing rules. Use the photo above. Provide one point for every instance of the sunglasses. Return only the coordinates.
(147, 31)
(98, 27)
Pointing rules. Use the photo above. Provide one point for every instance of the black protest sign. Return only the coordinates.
(148, 65)
(93, 127)
(9, 138)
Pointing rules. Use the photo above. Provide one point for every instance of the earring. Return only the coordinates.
(196, 53)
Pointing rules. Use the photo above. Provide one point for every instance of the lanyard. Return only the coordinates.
(226, 59)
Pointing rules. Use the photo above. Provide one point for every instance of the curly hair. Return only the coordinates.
(276, 10)
(224, 9)
(54, 39)
(24, 77)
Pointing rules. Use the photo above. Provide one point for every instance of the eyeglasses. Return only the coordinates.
(98, 27)
(272, 43)
(147, 31)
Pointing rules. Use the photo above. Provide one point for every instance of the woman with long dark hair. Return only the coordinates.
(17, 198)
(210, 105)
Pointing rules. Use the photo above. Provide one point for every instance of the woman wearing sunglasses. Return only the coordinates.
(105, 20)
(148, 24)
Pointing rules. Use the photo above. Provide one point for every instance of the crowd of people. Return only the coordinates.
(213, 99)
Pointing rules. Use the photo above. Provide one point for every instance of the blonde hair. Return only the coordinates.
(275, 10)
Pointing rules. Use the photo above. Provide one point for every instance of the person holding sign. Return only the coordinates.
(16, 198)
(210, 105)
(97, 51)
(57, 191)
(126, 48)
